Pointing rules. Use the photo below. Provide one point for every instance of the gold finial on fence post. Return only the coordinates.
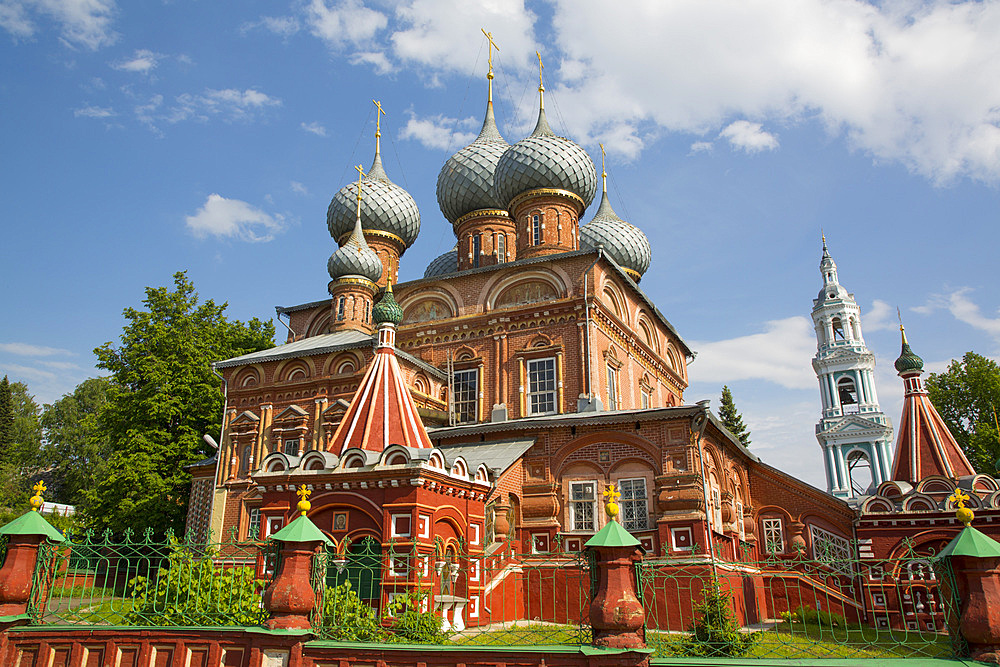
(963, 513)
(304, 505)
(36, 500)
(611, 495)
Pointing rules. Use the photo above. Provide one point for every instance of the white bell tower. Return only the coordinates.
(854, 433)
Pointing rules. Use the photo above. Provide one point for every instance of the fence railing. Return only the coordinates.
(146, 582)
(799, 608)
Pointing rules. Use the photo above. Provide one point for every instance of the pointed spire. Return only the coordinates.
(542, 126)
(489, 74)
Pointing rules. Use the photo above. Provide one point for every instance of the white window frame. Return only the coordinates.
(294, 442)
(577, 523)
(462, 398)
(501, 248)
(773, 530)
(640, 521)
(612, 387)
(254, 523)
(739, 520)
(544, 396)
(645, 398)
(536, 229)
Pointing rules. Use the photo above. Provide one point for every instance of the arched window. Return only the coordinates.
(847, 391)
(859, 471)
(536, 230)
(501, 248)
(341, 304)
(477, 248)
(245, 460)
(838, 329)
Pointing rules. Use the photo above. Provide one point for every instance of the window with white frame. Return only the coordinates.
(541, 386)
(774, 536)
(291, 446)
(501, 248)
(739, 520)
(536, 230)
(635, 515)
(831, 549)
(466, 385)
(582, 505)
(612, 387)
(716, 509)
(253, 524)
(644, 399)
(341, 306)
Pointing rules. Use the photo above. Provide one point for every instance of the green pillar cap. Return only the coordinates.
(971, 542)
(612, 535)
(301, 530)
(32, 523)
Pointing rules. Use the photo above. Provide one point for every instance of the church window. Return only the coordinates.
(612, 387)
(501, 248)
(838, 329)
(253, 524)
(774, 536)
(341, 304)
(644, 399)
(466, 385)
(633, 503)
(536, 230)
(477, 247)
(368, 313)
(831, 549)
(847, 391)
(739, 520)
(582, 503)
(291, 447)
(541, 386)
(245, 460)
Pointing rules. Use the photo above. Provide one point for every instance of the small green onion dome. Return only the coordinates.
(908, 361)
(387, 310)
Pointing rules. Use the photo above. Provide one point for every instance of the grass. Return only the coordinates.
(523, 634)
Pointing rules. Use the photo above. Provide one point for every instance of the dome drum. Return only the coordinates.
(485, 239)
(351, 303)
(547, 222)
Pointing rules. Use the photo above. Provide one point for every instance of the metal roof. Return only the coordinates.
(496, 455)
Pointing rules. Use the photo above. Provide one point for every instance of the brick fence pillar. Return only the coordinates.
(24, 535)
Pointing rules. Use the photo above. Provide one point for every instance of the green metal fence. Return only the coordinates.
(145, 582)
(800, 608)
(406, 593)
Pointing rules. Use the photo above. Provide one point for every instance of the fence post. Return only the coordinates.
(24, 535)
(290, 597)
(616, 615)
(975, 560)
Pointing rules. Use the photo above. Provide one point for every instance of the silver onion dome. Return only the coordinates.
(465, 183)
(623, 242)
(355, 258)
(386, 207)
(443, 264)
(544, 160)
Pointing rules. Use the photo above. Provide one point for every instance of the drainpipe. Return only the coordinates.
(700, 421)
(287, 326)
(586, 317)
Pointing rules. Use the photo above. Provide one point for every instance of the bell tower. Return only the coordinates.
(854, 433)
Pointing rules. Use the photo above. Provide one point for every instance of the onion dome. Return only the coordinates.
(355, 258)
(387, 310)
(623, 242)
(545, 161)
(908, 361)
(386, 207)
(443, 264)
(465, 183)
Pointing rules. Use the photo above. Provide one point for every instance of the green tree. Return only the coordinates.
(74, 451)
(714, 632)
(20, 428)
(162, 398)
(966, 396)
(731, 417)
(6, 423)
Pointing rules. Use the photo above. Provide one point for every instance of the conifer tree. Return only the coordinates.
(6, 423)
(731, 417)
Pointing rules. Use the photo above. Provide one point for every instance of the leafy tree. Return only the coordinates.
(966, 396)
(20, 429)
(162, 398)
(346, 617)
(410, 624)
(74, 450)
(714, 632)
(731, 417)
(6, 423)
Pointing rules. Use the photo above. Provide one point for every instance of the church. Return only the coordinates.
(489, 403)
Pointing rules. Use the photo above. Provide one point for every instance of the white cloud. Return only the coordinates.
(347, 22)
(143, 61)
(314, 128)
(60, 365)
(437, 131)
(230, 104)
(285, 26)
(376, 59)
(27, 372)
(701, 147)
(233, 218)
(749, 137)
(89, 111)
(299, 188)
(962, 309)
(879, 317)
(82, 23)
(781, 354)
(31, 350)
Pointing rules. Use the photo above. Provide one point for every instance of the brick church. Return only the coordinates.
(492, 400)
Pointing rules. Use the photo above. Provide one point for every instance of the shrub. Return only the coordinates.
(827, 619)
(191, 590)
(347, 618)
(714, 632)
(410, 624)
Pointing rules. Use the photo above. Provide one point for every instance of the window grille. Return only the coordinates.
(831, 549)
(536, 230)
(774, 536)
(633, 503)
(582, 502)
(541, 386)
(466, 385)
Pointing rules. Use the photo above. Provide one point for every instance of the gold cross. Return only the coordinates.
(38, 488)
(959, 498)
(303, 492)
(378, 117)
(604, 172)
(541, 86)
(611, 494)
(361, 175)
(493, 45)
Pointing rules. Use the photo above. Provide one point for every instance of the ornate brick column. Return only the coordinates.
(290, 598)
(24, 534)
(616, 614)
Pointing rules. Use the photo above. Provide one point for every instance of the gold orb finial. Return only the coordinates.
(36, 500)
(611, 495)
(962, 513)
(304, 505)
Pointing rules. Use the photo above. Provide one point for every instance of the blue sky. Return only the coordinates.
(144, 138)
